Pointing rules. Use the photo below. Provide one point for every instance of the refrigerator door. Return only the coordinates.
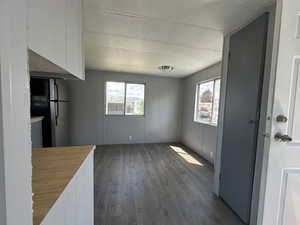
(59, 112)
(53, 89)
(54, 120)
(59, 90)
(40, 106)
(63, 91)
(62, 125)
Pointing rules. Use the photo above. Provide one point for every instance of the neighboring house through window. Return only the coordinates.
(207, 102)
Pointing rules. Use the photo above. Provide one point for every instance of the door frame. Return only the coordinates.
(265, 112)
(270, 101)
(282, 7)
(15, 141)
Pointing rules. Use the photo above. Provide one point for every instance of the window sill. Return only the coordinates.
(207, 123)
(125, 116)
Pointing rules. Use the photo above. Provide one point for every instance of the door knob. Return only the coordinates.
(282, 137)
(281, 119)
(253, 121)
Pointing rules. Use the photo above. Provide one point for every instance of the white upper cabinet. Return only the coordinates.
(55, 34)
(75, 56)
(47, 25)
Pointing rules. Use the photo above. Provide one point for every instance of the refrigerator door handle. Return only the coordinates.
(56, 102)
(56, 112)
(56, 88)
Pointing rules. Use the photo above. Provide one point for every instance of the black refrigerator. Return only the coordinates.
(50, 99)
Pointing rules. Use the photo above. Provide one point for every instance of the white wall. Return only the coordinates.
(202, 138)
(224, 69)
(15, 145)
(163, 111)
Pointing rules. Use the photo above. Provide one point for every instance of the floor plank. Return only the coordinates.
(156, 184)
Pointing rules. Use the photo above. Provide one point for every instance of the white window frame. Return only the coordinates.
(125, 92)
(196, 101)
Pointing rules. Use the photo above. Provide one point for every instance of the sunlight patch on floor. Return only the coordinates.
(186, 156)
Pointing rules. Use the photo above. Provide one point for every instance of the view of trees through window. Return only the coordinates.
(125, 98)
(207, 101)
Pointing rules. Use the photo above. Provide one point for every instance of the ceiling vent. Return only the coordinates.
(166, 68)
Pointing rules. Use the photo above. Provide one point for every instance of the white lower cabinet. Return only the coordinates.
(85, 194)
(57, 213)
(75, 206)
(71, 199)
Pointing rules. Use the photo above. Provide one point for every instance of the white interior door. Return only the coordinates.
(282, 196)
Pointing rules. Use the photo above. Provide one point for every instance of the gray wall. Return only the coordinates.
(202, 138)
(257, 192)
(161, 123)
(2, 171)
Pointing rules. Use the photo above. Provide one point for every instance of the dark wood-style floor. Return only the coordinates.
(155, 184)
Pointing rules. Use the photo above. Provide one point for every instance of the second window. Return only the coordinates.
(207, 102)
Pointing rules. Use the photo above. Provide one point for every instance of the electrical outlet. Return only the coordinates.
(130, 138)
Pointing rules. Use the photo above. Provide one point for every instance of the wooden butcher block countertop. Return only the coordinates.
(53, 169)
(36, 119)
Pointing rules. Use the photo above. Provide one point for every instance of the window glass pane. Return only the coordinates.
(135, 94)
(115, 94)
(216, 101)
(204, 102)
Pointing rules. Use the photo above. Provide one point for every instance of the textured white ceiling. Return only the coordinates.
(140, 35)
